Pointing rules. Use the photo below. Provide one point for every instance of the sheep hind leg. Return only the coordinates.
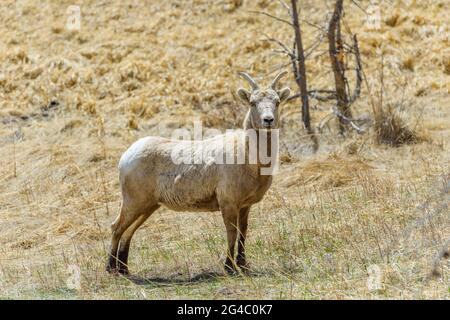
(230, 217)
(125, 241)
(125, 218)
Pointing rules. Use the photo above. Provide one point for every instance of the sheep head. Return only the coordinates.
(264, 103)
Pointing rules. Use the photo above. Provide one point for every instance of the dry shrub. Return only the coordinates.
(133, 124)
(331, 172)
(395, 20)
(23, 244)
(232, 5)
(391, 129)
(446, 62)
(87, 106)
(421, 92)
(224, 114)
(141, 108)
(419, 20)
(72, 124)
(353, 146)
(408, 64)
(58, 208)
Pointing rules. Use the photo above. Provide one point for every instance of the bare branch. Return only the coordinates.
(359, 76)
(313, 25)
(294, 63)
(359, 6)
(325, 121)
(300, 69)
(284, 4)
(314, 94)
(284, 48)
(346, 120)
(277, 68)
(271, 16)
(313, 47)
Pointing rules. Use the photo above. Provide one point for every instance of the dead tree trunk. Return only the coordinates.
(298, 65)
(336, 52)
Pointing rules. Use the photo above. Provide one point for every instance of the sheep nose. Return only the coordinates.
(268, 121)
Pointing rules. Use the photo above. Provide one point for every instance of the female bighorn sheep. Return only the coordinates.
(152, 173)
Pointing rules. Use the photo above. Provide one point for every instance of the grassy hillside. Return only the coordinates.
(352, 213)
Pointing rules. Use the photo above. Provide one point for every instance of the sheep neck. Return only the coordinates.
(248, 125)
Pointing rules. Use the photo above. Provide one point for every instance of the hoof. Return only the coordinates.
(124, 271)
(245, 268)
(117, 271)
(111, 266)
(230, 268)
(243, 264)
(111, 270)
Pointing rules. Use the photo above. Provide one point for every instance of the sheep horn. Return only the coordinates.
(250, 80)
(277, 78)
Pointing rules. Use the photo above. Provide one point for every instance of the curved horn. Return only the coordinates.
(277, 78)
(250, 80)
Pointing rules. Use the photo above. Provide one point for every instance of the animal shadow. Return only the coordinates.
(206, 276)
(178, 279)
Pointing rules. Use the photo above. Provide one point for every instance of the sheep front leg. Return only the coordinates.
(243, 223)
(230, 217)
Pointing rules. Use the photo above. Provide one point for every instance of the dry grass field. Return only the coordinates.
(354, 220)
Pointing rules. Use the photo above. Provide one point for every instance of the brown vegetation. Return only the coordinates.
(72, 102)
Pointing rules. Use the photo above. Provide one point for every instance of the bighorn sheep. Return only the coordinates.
(150, 178)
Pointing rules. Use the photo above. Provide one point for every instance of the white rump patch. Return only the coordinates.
(127, 158)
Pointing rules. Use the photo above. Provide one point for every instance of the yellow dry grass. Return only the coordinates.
(331, 172)
(73, 101)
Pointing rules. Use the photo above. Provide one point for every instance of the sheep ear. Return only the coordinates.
(284, 94)
(244, 95)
